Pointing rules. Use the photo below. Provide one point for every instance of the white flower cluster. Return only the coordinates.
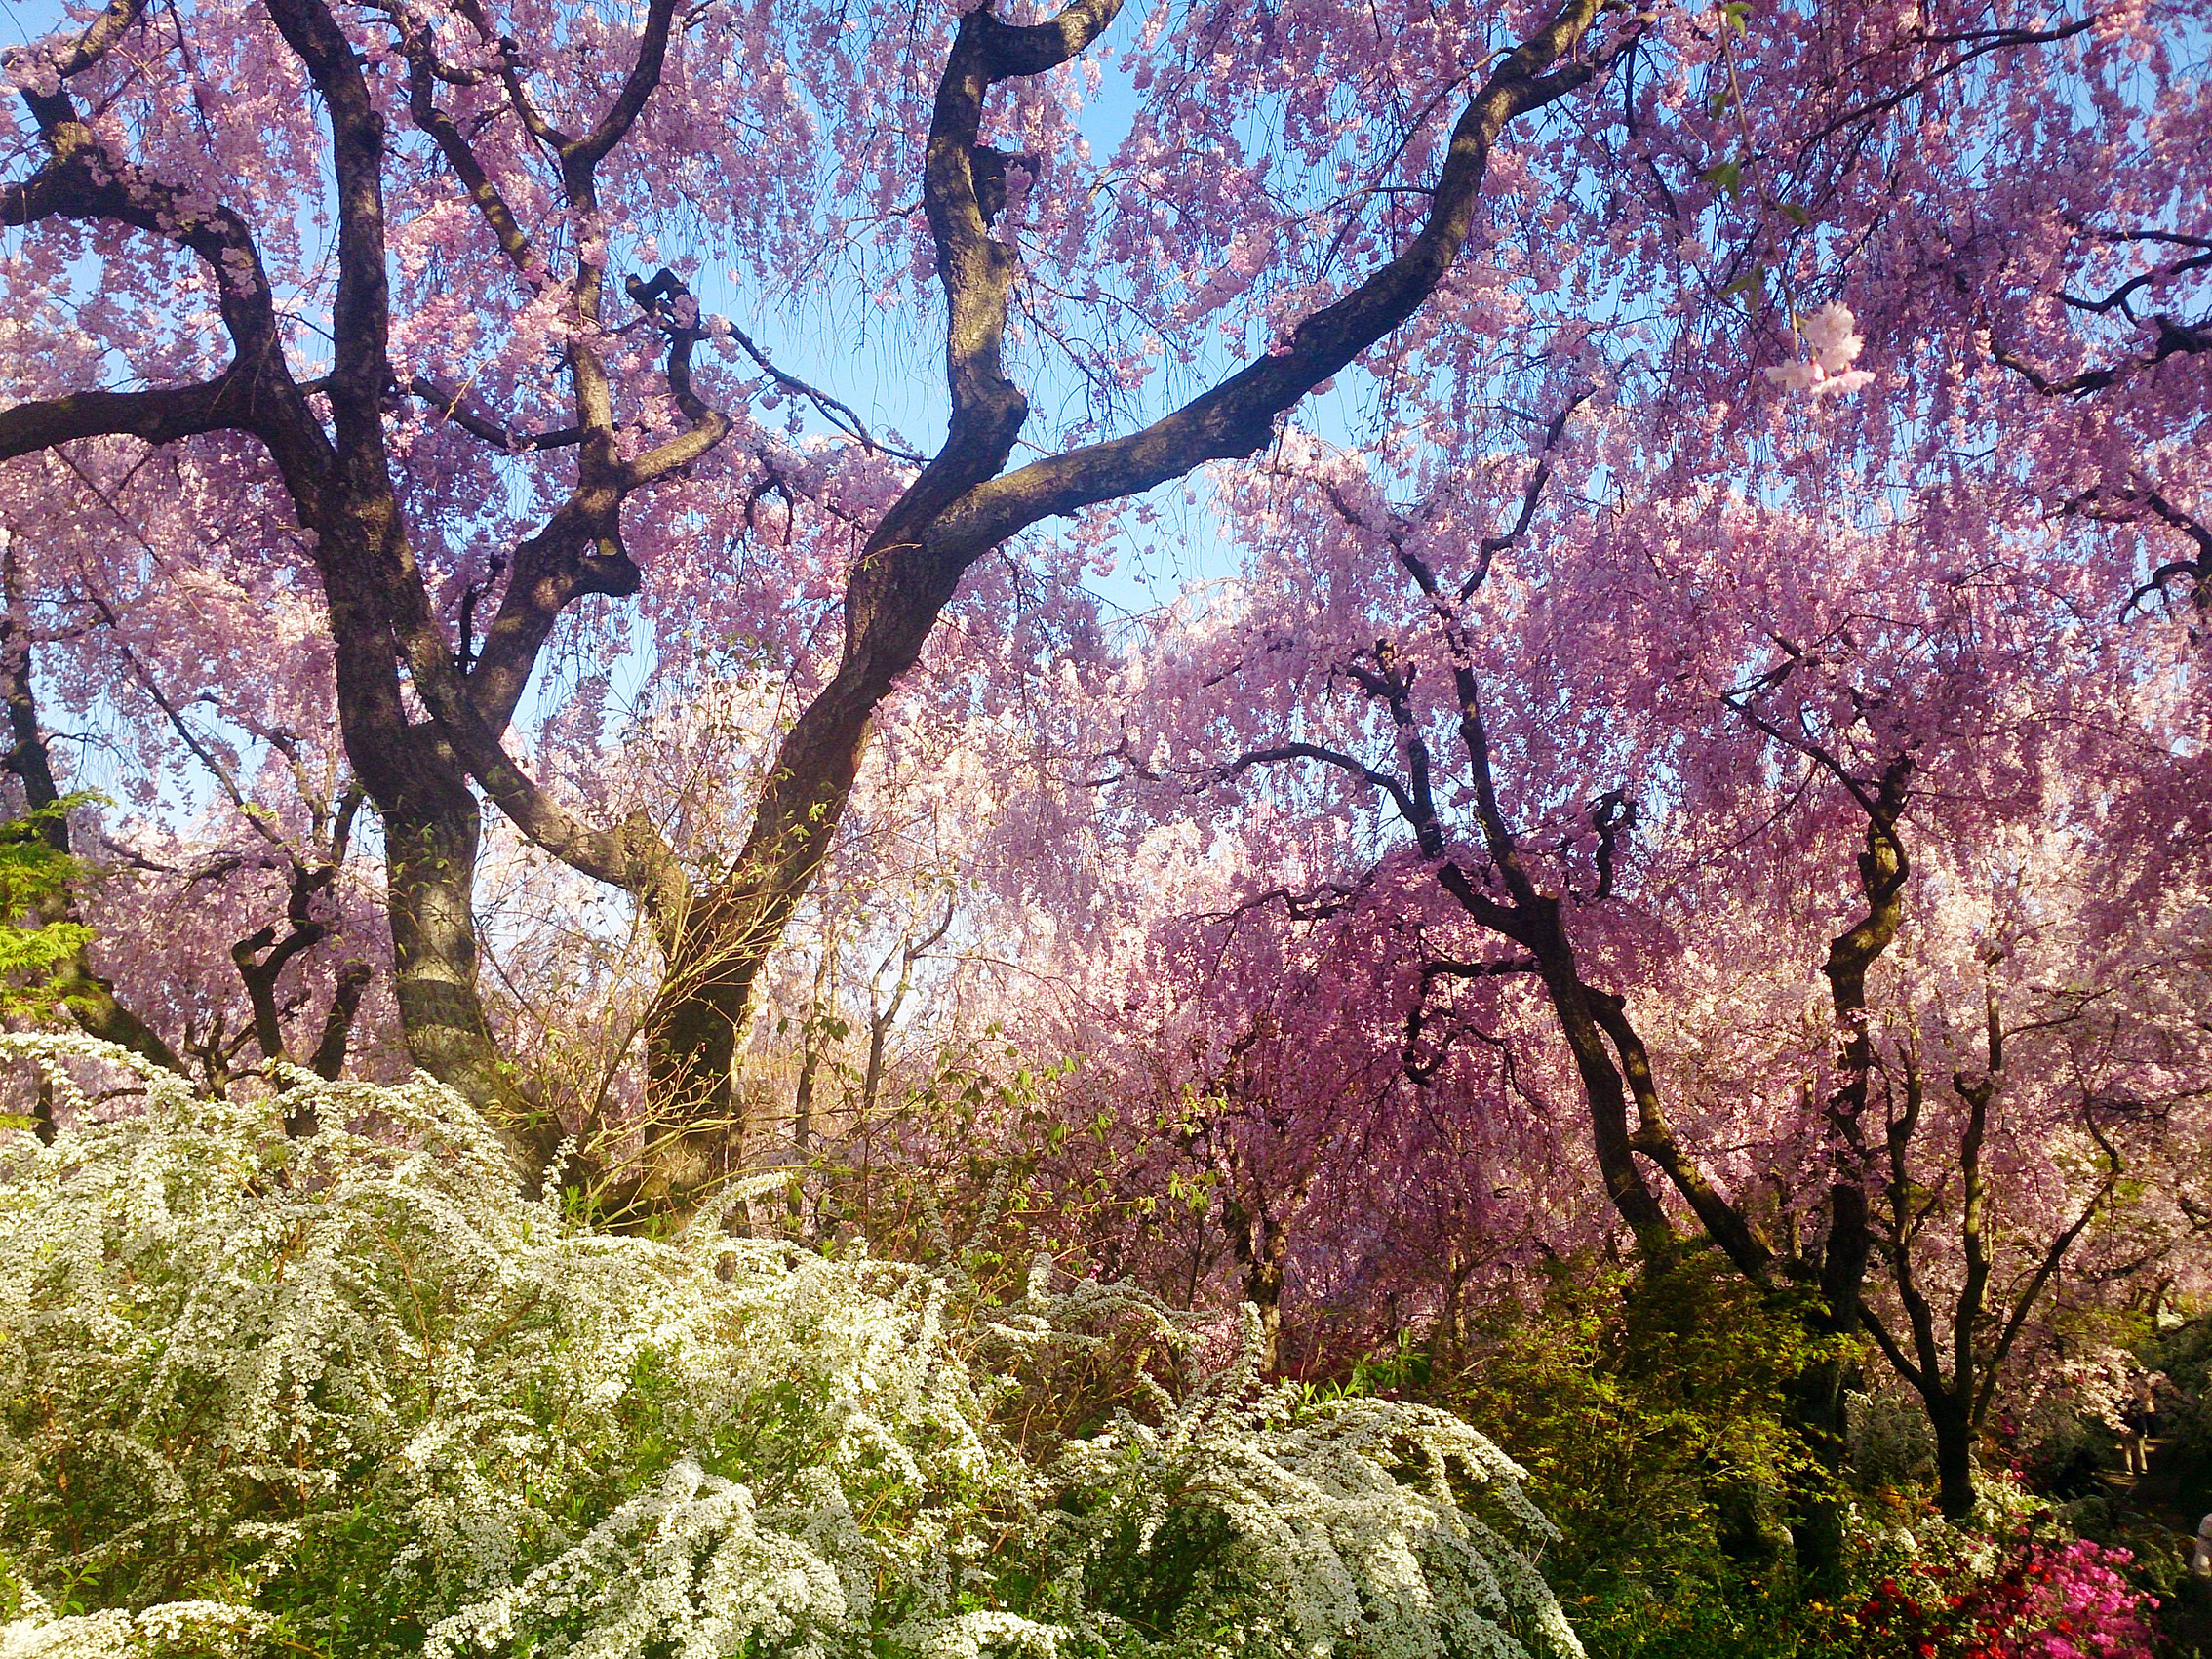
(1365, 1528)
(202, 1627)
(356, 1393)
(113, 1633)
(1832, 345)
(2107, 1384)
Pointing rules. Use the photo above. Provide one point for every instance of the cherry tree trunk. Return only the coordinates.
(1821, 1415)
(697, 1118)
(1262, 1246)
(1954, 1458)
(430, 847)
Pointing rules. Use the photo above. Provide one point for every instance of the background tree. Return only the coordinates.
(1642, 756)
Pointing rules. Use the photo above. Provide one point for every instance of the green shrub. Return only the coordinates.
(37, 942)
(1651, 1414)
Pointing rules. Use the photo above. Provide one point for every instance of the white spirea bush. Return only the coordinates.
(357, 1394)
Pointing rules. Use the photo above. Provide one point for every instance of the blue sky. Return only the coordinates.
(896, 386)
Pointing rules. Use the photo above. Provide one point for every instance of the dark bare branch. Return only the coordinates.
(2172, 340)
(838, 412)
(1400, 795)
(83, 181)
(1236, 417)
(453, 407)
(1491, 547)
(1978, 43)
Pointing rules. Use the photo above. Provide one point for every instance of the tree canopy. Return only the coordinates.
(1703, 747)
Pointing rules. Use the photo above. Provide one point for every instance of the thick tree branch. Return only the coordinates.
(100, 37)
(1882, 871)
(708, 427)
(634, 858)
(361, 314)
(83, 181)
(580, 156)
(156, 417)
(578, 551)
(1727, 1225)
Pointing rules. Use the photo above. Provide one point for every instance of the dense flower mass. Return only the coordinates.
(2013, 1595)
(354, 1392)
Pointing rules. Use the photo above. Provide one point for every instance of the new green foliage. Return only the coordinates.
(37, 939)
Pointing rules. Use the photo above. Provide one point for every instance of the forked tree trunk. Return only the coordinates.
(694, 1029)
(963, 505)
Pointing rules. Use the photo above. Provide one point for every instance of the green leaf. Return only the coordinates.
(1753, 282)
